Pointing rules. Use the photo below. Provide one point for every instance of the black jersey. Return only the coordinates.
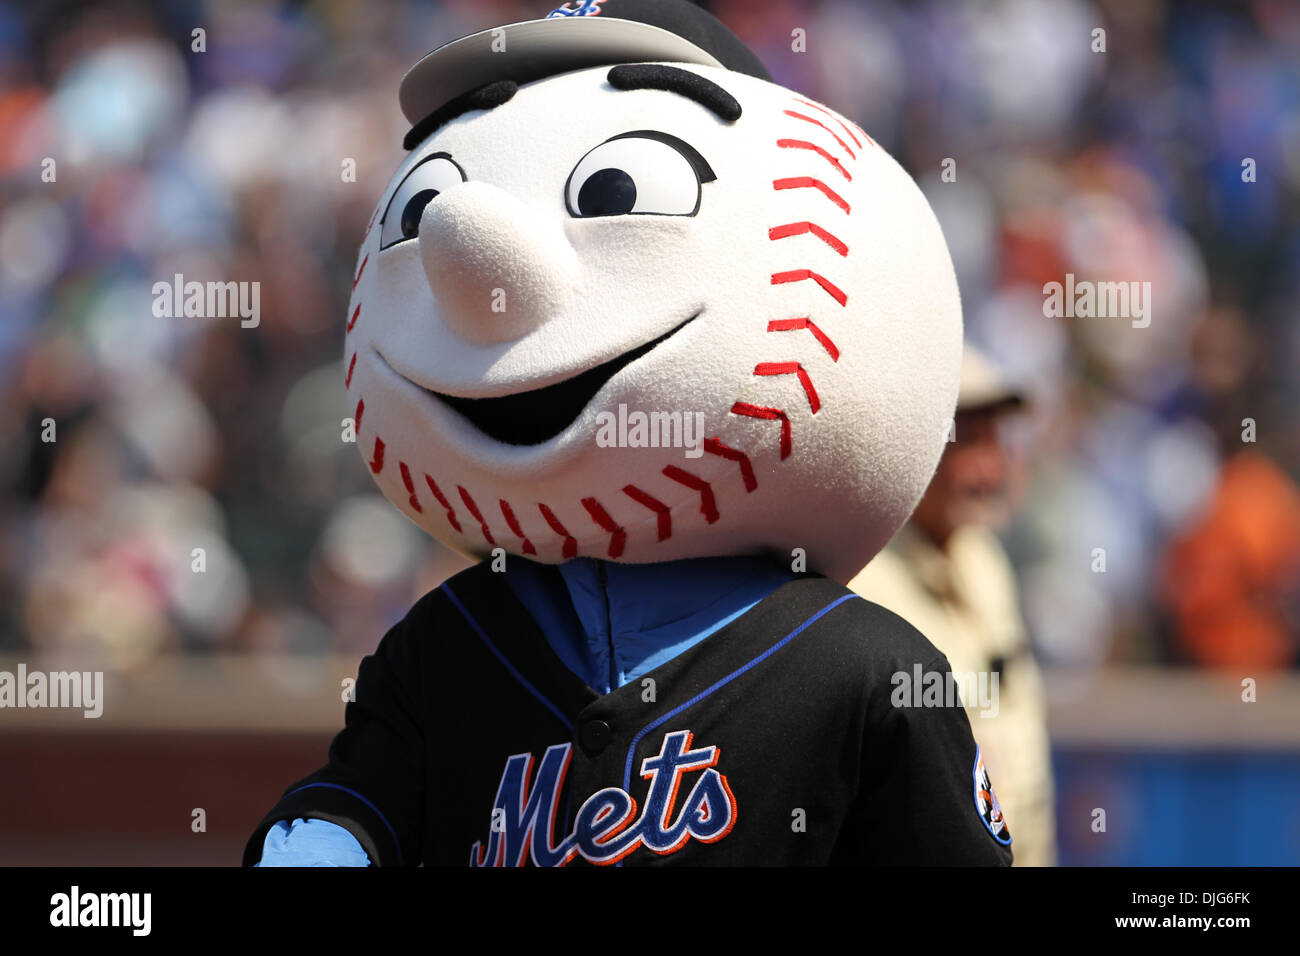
(777, 740)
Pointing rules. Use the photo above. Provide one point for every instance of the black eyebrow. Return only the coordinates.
(656, 76)
(485, 97)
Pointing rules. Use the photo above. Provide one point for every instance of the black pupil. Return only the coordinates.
(414, 210)
(607, 192)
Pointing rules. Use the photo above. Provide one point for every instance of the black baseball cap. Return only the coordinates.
(574, 36)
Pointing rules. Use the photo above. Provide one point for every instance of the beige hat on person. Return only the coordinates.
(983, 384)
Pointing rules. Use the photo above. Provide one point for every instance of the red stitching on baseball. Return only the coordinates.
(359, 271)
(804, 144)
(817, 122)
(798, 182)
(377, 458)
(442, 500)
(798, 275)
(617, 536)
(769, 414)
(708, 506)
(347, 383)
(855, 126)
(353, 321)
(570, 547)
(655, 505)
(715, 447)
(800, 228)
(410, 487)
(356, 418)
(785, 325)
(792, 368)
(473, 509)
(837, 119)
(514, 527)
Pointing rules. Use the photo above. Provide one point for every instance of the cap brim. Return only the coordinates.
(534, 49)
(992, 399)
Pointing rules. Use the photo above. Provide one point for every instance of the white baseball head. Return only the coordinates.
(610, 317)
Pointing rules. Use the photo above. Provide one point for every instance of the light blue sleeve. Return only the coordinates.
(311, 843)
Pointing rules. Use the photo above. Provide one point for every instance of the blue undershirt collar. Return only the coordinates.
(612, 623)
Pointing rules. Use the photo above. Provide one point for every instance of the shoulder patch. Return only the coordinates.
(986, 802)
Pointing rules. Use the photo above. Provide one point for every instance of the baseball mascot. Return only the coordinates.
(673, 350)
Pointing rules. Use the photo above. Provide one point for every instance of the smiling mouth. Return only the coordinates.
(536, 416)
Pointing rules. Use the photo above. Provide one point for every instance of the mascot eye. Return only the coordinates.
(422, 184)
(644, 172)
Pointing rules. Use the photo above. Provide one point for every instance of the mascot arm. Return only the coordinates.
(373, 788)
(919, 802)
(311, 843)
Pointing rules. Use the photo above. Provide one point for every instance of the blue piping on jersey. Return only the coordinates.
(502, 658)
(631, 751)
(348, 790)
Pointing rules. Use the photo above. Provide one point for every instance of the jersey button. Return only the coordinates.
(595, 735)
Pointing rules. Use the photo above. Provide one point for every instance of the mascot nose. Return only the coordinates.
(498, 268)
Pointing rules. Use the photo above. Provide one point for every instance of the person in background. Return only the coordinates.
(946, 573)
(1231, 581)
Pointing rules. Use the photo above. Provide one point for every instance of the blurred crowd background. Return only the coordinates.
(183, 433)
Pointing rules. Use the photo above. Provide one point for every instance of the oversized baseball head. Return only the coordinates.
(627, 298)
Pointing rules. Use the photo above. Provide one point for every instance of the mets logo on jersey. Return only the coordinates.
(607, 827)
(986, 802)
